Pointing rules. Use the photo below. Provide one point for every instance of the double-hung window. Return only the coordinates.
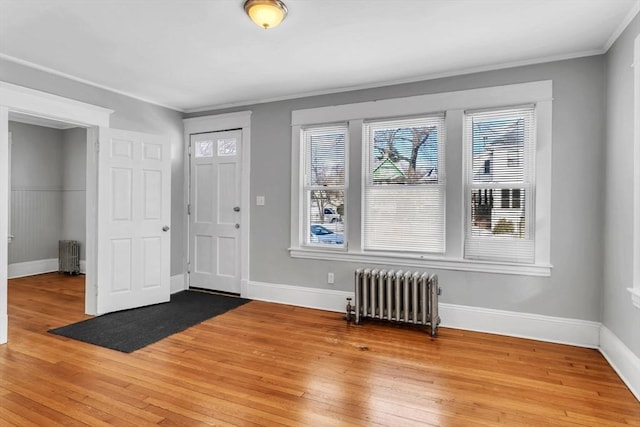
(324, 185)
(499, 199)
(377, 181)
(404, 190)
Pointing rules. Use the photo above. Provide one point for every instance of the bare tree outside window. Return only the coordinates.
(404, 188)
(406, 155)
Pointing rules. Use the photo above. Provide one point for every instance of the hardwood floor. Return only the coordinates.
(270, 365)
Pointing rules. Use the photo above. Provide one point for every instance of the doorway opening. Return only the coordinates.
(127, 203)
(47, 201)
(47, 204)
(33, 103)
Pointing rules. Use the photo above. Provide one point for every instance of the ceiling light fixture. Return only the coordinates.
(266, 13)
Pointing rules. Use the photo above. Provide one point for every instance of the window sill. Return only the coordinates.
(635, 296)
(424, 262)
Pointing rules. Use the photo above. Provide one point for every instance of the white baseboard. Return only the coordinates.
(177, 283)
(323, 299)
(621, 359)
(544, 328)
(30, 268)
(4, 325)
(83, 266)
(560, 330)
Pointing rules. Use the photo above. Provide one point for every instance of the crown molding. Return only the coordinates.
(415, 79)
(85, 81)
(622, 26)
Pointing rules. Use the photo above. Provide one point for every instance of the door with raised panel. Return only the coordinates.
(214, 221)
(134, 208)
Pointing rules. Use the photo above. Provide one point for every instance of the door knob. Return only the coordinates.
(237, 225)
(165, 228)
(236, 209)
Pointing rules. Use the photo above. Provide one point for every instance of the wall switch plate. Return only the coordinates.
(260, 200)
(330, 278)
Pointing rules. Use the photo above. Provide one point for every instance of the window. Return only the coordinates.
(204, 149)
(506, 198)
(516, 200)
(382, 197)
(324, 185)
(500, 231)
(487, 166)
(404, 185)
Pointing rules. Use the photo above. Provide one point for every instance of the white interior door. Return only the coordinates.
(134, 207)
(214, 236)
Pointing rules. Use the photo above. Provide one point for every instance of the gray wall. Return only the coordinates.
(618, 314)
(574, 288)
(130, 114)
(74, 187)
(578, 189)
(36, 192)
(48, 190)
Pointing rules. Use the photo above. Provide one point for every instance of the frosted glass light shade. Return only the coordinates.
(266, 13)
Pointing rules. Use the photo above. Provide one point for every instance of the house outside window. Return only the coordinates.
(500, 231)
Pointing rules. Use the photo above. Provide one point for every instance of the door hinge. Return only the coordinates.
(188, 268)
(188, 208)
(97, 146)
(189, 150)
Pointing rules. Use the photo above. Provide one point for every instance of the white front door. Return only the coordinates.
(134, 206)
(214, 237)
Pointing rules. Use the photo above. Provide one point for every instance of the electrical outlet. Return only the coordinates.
(330, 278)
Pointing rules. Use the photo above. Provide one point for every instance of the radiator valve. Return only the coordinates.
(349, 310)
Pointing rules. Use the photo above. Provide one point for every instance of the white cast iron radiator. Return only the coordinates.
(69, 256)
(399, 296)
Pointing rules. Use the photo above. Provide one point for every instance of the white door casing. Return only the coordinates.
(214, 238)
(4, 220)
(33, 102)
(134, 208)
(10, 147)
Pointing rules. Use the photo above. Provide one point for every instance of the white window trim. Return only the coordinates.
(635, 286)
(539, 93)
(418, 261)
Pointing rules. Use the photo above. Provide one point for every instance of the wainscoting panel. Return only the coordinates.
(36, 224)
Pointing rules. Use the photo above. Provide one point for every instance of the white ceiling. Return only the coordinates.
(193, 54)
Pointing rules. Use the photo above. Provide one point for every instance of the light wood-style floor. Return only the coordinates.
(268, 364)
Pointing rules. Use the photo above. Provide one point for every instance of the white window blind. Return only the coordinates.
(404, 187)
(500, 182)
(324, 185)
